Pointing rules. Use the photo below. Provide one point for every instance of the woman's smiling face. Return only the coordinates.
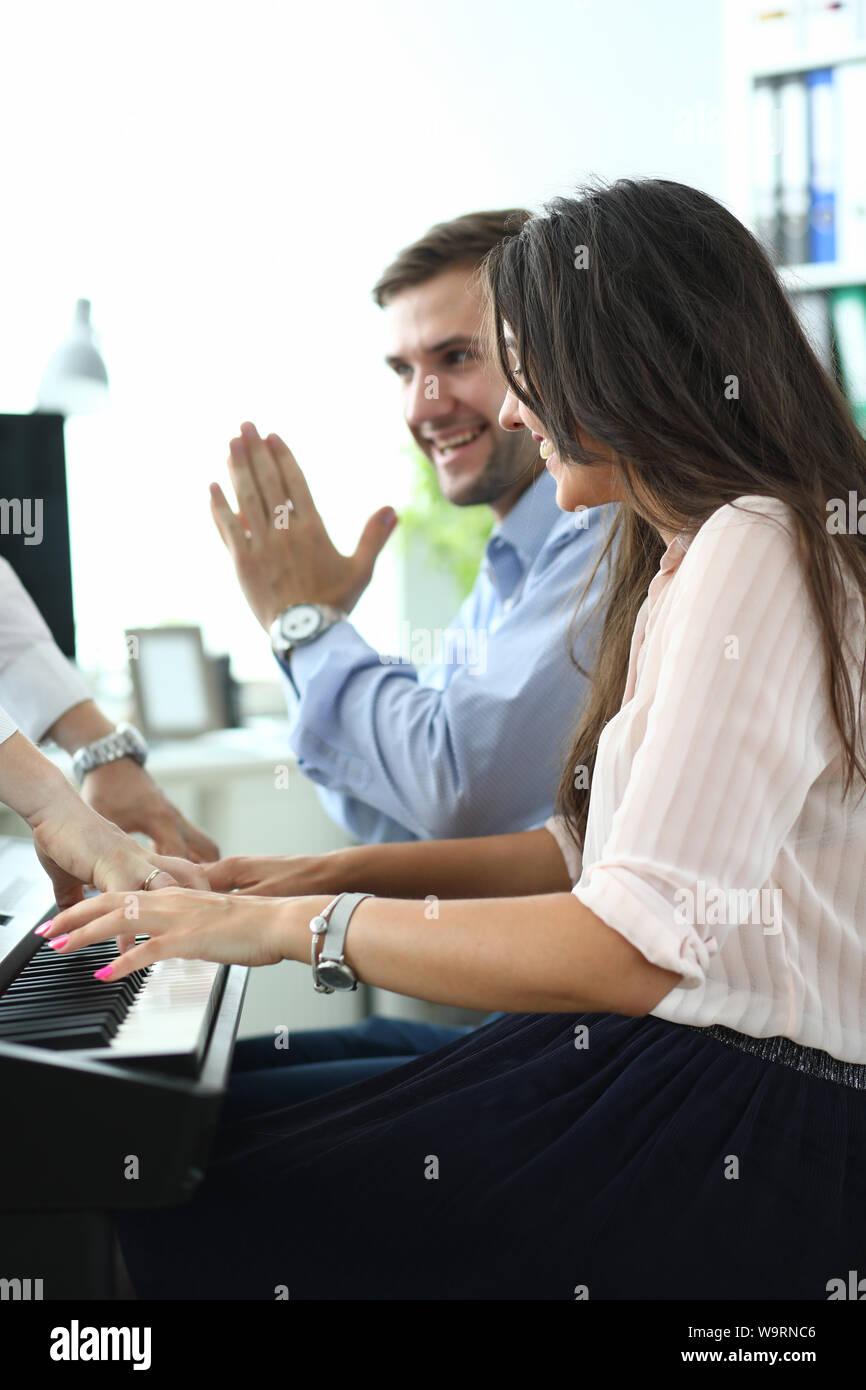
(578, 485)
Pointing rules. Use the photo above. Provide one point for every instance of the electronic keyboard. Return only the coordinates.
(112, 1091)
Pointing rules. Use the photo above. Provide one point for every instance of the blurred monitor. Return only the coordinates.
(34, 517)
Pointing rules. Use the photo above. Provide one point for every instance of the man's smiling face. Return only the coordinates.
(451, 401)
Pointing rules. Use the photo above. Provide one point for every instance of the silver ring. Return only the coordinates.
(149, 880)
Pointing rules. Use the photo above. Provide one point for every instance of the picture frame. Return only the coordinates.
(174, 682)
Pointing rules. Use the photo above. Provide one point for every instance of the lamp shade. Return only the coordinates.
(75, 381)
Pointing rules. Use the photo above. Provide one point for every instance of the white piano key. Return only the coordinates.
(172, 1011)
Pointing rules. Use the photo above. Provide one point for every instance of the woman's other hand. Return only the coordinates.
(271, 876)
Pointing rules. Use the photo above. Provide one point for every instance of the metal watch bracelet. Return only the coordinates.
(123, 742)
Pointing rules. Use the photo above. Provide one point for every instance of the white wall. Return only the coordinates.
(225, 181)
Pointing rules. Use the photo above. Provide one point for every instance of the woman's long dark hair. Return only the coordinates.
(646, 316)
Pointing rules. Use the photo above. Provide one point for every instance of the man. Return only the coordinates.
(46, 696)
(460, 748)
(457, 748)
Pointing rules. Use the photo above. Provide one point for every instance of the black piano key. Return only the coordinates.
(91, 1022)
(80, 1035)
(52, 1017)
(28, 989)
(68, 1009)
(55, 1002)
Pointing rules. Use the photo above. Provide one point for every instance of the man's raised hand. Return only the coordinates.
(281, 551)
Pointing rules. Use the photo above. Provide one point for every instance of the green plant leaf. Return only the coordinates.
(454, 536)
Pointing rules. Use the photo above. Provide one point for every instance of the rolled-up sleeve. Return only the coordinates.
(37, 683)
(639, 904)
(726, 745)
(8, 727)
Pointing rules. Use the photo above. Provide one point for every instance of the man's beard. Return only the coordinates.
(510, 462)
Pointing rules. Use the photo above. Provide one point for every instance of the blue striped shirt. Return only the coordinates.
(473, 742)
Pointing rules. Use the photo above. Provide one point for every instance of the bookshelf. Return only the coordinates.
(795, 162)
(855, 52)
(820, 275)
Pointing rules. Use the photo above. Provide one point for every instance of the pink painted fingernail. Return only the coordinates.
(40, 931)
(105, 973)
(59, 941)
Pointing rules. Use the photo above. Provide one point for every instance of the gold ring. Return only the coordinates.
(149, 880)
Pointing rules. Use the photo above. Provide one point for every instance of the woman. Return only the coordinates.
(75, 845)
(673, 1106)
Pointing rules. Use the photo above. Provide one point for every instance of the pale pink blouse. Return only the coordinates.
(718, 842)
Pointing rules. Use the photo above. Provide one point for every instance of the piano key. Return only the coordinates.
(55, 1001)
(162, 1012)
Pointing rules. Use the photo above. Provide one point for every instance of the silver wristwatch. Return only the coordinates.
(301, 623)
(124, 742)
(331, 971)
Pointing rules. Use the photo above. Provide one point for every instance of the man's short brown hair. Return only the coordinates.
(464, 241)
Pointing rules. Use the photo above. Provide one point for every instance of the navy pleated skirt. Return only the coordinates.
(542, 1156)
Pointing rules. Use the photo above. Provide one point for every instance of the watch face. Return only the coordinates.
(336, 974)
(300, 622)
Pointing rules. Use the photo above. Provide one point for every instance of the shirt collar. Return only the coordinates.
(516, 541)
(675, 551)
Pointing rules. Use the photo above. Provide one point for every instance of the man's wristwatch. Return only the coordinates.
(301, 623)
(331, 971)
(124, 742)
